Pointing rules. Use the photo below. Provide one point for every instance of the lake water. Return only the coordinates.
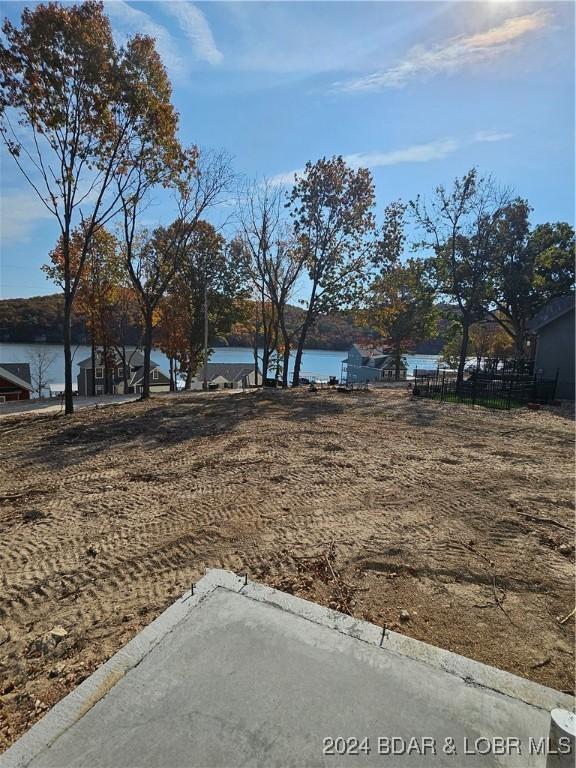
(317, 362)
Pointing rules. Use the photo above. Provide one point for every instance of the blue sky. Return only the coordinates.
(417, 91)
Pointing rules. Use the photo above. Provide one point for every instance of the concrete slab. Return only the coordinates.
(241, 674)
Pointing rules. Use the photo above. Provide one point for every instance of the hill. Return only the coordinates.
(40, 319)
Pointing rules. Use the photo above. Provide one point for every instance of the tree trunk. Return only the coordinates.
(255, 355)
(171, 363)
(93, 375)
(147, 352)
(397, 360)
(68, 393)
(299, 352)
(106, 369)
(519, 341)
(189, 373)
(463, 353)
(286, 363)
(265, 362)
(125, 370)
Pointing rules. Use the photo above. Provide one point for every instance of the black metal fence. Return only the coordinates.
(497, 388)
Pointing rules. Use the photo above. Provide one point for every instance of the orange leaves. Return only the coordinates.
(401, 304)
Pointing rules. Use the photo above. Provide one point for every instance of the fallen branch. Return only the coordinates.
(497, 599)
(565, 619)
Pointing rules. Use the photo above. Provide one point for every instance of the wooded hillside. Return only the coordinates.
(40, 319)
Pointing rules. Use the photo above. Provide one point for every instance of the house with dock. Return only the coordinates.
(123, 379)
(363, 365)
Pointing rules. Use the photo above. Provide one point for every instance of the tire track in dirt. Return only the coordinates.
(147, 497)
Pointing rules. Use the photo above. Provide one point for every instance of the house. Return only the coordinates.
(159, 382)
(226, 376)
(364, 364)
(552, 331)
(15, 382)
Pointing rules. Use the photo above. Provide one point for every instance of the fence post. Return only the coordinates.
(442, 388)
(474, 392)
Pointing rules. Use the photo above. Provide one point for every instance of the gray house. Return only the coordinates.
(226, 376)
(553, 337)
(159, 382)
(369, 365)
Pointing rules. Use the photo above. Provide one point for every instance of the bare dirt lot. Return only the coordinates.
(450, 523)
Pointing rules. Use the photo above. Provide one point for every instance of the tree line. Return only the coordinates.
(39, 319)
(92, 128)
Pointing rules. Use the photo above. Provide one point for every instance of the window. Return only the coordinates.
(99, 372)
(99, 388)
(155, 374)
(120, 371)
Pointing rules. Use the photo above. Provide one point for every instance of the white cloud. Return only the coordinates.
(20, 212)
(194, 25)
(452, 55)
(491, 136)
(417, 153)
(129, 20)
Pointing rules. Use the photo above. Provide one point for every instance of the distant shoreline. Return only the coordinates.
(38, 320)
(129, 346)
(213, 346)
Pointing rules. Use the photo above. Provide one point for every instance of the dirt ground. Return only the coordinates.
(372, 503)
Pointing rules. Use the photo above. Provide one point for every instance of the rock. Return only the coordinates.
(541, 662)
(92, 551)
(404, 615)
(50, 640)
(565, 549)
(58, 633)
(4, 635)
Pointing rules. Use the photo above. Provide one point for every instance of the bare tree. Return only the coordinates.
(152, 258)
(273, 263)
(40, 363)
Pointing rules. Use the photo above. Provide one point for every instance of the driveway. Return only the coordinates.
(56, 404)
